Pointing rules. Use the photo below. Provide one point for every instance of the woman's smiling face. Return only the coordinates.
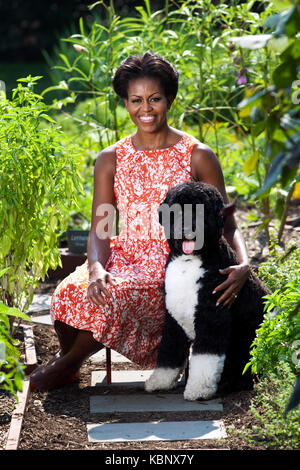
(147, 104)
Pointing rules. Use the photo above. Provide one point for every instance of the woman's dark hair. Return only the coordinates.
(149, 65)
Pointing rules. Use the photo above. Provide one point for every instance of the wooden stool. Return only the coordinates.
(108, 365)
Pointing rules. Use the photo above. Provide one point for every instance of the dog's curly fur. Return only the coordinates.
(221, 337)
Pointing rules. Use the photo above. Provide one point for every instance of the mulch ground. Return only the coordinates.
(57, 420)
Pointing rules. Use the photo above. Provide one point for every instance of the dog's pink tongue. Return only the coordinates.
(188, 246)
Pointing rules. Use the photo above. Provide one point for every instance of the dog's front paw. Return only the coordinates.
(162, 378)
(199, 392)
(204, 375)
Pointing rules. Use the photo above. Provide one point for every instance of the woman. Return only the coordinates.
(116, 297)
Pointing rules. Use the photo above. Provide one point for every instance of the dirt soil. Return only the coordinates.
(57, 420)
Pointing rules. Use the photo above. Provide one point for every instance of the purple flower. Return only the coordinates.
(242, 80)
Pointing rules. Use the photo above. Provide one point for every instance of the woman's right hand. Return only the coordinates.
(97, 291)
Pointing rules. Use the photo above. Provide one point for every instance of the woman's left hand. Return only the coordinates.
(237, 276)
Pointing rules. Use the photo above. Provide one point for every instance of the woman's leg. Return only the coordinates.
(76, 348)
(66, 336)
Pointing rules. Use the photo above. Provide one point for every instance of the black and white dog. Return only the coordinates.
(220, 336)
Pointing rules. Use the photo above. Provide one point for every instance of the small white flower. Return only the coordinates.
(79, 48)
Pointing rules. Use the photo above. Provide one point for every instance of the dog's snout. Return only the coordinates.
(188, 233)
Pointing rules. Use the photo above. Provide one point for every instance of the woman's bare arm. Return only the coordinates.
(98, 247)
(206, 168)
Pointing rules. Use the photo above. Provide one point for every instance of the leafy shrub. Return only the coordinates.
(275, 353)
(272, 428)
(39, 182)
(272, 114)
(277, 338)
(11, 370)
(280, 268)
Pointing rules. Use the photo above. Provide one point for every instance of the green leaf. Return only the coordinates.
(81, 26)
(48, 118)
(284, 75)
(293, 22)
(93, 5)
(255, 97)
(66, 60)
(251, 163)
(14, 312)
(281, 5)
(282, 161)
(3, 271)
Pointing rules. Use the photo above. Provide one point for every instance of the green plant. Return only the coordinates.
(194, 36)
(39, 183)
(11, 370)
(280, 268)
(98, 50)
(218, 66)
(272, 429)
(277, 339)
(272, 114)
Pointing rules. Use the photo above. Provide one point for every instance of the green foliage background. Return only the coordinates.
(230, 97)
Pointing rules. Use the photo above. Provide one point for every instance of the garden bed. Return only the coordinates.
(57, 420)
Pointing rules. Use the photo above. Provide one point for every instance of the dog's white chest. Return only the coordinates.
(182, 289)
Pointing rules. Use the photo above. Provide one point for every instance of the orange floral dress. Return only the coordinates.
(131, 322)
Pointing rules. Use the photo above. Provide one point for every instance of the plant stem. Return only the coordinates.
(266, 201)
(167, 13)
(214, 99)
(266, 212)
(285, 211)
(200, 120)
(111, 60)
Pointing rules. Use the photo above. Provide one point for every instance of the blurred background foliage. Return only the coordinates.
(29, 29)
(228, 53)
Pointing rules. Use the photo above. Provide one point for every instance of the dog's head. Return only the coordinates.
(192, 215)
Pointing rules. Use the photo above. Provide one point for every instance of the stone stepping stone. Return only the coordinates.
(156, 431)
(100, 356)
(43, 319)
(39, 303)
(134, 403)
(121, 378)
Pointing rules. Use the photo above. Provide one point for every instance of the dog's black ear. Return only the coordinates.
(165, 201)
(159, 212)
(228, 209)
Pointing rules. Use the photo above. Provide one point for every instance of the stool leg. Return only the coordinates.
(108, 365)
(186, 373)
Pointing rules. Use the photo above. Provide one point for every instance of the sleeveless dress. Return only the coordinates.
(131, 322)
